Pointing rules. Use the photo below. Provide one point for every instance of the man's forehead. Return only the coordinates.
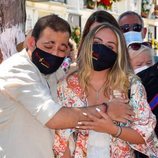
(51, 36)
(130, 19)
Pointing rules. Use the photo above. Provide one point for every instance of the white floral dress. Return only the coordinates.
(70, 95)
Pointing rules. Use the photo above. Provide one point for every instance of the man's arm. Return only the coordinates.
(118, 110)
(69, 117)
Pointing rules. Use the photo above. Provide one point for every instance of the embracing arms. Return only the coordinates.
(118, 110)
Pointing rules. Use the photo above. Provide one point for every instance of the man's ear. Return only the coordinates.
(144, 32)
(31, 43)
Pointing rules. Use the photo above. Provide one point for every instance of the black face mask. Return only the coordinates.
(46, 63)
(103, 57)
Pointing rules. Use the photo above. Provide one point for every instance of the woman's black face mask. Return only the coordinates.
(103, 57)
(46, 63)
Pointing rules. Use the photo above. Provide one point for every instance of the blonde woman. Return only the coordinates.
(104, 74)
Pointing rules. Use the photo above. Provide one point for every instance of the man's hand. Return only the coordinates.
(119, 110)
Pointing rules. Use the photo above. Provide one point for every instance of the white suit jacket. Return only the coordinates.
(26, 105)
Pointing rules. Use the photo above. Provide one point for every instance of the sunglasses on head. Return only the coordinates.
(137, 46)
(134, 27)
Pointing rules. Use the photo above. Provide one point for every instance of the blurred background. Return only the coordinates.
(17, 17)
(77, 12)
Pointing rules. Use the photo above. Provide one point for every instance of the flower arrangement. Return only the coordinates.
(76, 34)
(105, 4)
(146, 6)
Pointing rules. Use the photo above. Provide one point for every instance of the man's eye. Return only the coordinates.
(48, 47)
(62, 50)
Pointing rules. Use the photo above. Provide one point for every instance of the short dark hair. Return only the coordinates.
(131, 13)
(54, 22)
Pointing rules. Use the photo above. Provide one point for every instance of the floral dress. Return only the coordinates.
(70, 95)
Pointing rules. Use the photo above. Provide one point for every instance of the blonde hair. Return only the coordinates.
(143, 50)
(118, 74)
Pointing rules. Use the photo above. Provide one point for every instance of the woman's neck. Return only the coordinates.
(96, 87)
(98, 76)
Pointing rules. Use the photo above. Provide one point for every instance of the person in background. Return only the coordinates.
(28, 109)
(141, 56)
(102, 59)
(132, 25)
(149, 79)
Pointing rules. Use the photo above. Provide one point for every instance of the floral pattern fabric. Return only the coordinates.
(70, 95)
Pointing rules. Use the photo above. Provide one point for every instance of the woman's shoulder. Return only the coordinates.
(71, 84)
(73, 81)
(70, 81)
(72, 78)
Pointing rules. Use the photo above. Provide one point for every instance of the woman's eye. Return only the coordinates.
(96, 42)
(111, 47)
(139, 65)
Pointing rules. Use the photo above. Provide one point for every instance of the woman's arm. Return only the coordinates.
(106, 125)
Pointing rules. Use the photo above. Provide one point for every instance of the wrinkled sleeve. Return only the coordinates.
(60, 74)
(66, 96)
(144, 121)
(62, 137)
(25, 85)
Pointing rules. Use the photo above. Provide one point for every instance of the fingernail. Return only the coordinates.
(85, 114)
(98, 109)
(79, 123)
(77, 127)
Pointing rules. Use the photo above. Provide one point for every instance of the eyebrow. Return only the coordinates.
(102, 40)
(52, 42)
